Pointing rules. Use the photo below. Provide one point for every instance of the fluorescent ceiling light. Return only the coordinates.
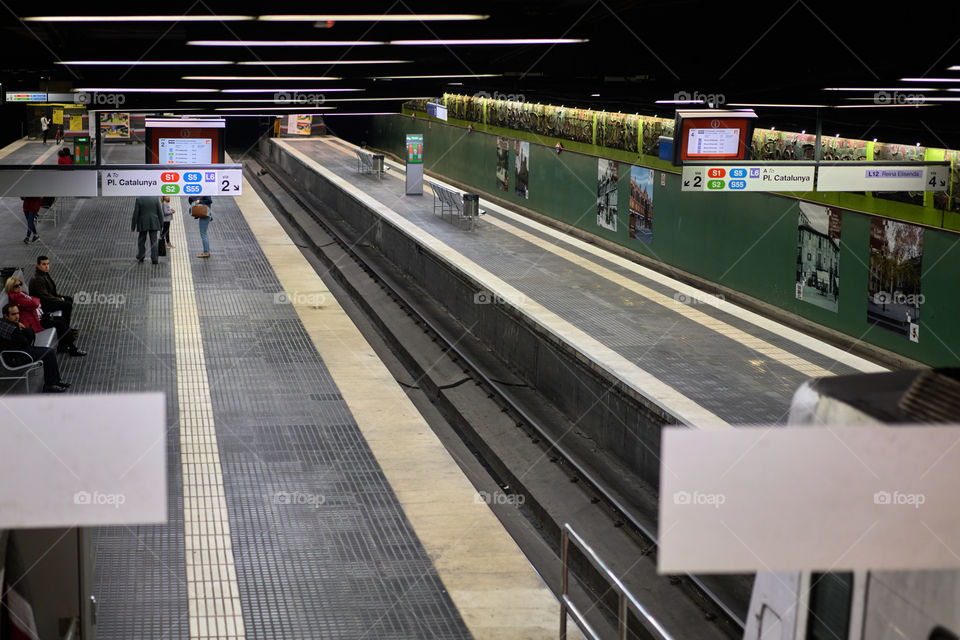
(141, 63)
(204, 18)
(881, 106)
(282, 43)
(879, 89)
(305, 78)
(330, 62)
(314, 90)
(450, 43)
(758, 104)
(957, 80)
(300, 109)
(150, 90)
(373, 17)
(372, 113)
(685, 101)
(453, 75)
(294, 98)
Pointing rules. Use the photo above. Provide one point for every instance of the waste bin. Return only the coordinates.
(471, 204)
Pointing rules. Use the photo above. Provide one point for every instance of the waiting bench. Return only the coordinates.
(370, 163)
(449, 201)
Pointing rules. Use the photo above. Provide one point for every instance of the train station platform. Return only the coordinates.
(703, 361)
(307, 496)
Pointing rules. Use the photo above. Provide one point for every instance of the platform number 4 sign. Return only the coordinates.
(914, 332)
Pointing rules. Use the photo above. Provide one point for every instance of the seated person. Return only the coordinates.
(43, 287)
(30, 316)
(15, 336)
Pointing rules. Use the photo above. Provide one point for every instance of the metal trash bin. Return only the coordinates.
(377, 163)
(471, 204)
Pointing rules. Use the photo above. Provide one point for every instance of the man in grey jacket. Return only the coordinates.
(147, 218)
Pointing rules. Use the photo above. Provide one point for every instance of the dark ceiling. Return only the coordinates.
(638, 52)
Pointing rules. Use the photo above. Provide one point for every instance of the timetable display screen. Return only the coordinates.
(713, 142)
(186, 151)
(723, 137)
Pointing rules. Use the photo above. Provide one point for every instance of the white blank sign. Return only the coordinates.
(809, 498)
(63, 182)
(82, 460)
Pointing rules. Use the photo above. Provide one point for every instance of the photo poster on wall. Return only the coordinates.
(522, 151)
(607, 194)
(114, 125)
(818, 256)
(299, 125)
(76, 122)
(503, 163)
(641, 204)
(893, 296)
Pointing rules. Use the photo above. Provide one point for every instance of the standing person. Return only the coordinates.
(204, 221)
(147, 219)
(16, 336)
(44, 126)
(64, 156)
(167, 219)
(31, 207)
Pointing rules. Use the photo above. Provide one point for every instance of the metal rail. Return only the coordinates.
(627, 599)
(542, 433)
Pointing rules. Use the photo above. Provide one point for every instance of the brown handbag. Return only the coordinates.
(198, 211)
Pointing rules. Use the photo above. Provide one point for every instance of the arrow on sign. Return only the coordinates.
(686, 183)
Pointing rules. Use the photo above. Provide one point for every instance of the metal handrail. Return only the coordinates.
(627, 599)
(73, 630)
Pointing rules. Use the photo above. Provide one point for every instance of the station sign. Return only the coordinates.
(733, 178)
(26, 96)
(167, 182)
(903, 177)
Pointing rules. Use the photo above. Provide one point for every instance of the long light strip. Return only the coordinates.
(156, 18)
(141, 63)
(283, 43)
(484, 41)
(150, 90)
(879, 89)
(293, 98)
(957, 80)
(454, 75)
(880, 106)
(758, 104)
(373, 17)
(305, 78)
(301, 109)
(313, 90)
(270, 63)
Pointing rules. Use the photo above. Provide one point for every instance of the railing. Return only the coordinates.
(626, 599)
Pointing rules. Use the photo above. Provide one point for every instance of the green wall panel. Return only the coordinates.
(745, 241)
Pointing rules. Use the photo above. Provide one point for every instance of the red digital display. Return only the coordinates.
(720, 138)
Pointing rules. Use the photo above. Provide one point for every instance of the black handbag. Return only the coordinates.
(161, 247)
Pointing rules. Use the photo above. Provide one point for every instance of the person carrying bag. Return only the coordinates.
(200, 208)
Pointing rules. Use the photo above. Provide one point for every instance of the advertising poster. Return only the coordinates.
(299, 125)
(818, 256)
(58, 116)
(893, 296)
(503, 163)
(522, 151)
(76, 123)
(607, 194)
(114, 125)
(641, 204)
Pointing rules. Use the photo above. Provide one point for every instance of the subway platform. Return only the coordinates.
(704, 361)
(307, 497)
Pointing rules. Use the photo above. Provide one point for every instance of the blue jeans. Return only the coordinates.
(31, 227)
(204, 223)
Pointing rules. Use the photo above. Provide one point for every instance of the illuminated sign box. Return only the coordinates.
(26, 96)
(712, 134)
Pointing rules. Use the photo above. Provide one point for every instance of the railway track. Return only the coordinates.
(539, 464)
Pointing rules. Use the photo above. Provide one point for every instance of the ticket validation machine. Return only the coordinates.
(414, 164)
